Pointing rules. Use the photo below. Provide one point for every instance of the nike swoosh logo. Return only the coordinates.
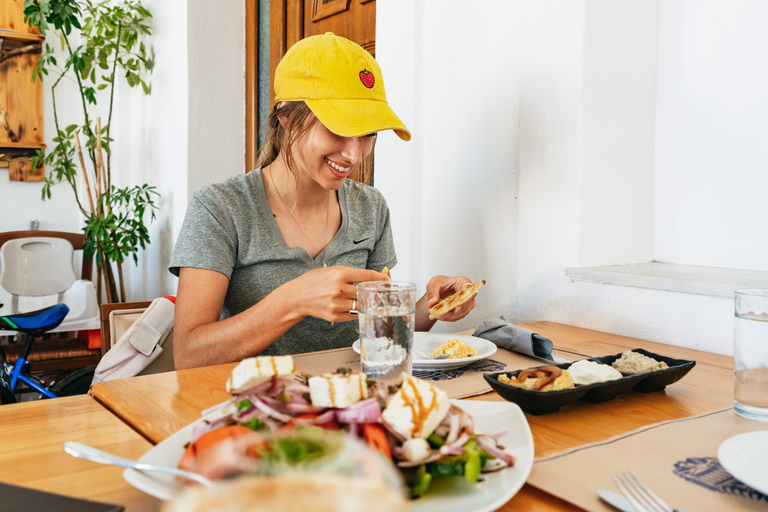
(359, 241)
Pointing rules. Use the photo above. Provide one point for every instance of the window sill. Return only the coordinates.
(712, 281)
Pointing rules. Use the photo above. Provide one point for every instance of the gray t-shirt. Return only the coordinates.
(229, 228)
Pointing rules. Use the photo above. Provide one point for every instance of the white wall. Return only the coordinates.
(153, 146)
(488, 187)
(617, 125)
(191, 130)
(534, 139)
(433, 83)
(711, 180)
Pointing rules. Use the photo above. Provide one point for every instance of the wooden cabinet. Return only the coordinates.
(21, 100)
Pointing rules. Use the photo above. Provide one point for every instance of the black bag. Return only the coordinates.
(6, 394)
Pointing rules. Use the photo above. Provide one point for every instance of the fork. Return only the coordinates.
(436, 358)
(639, 495)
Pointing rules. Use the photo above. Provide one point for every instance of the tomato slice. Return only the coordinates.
(375, 435)
(210, 439)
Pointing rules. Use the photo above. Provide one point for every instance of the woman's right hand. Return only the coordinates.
(331, 292)
(201, 339)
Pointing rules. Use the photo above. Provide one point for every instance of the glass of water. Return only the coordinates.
(750, 354)
(387, 319)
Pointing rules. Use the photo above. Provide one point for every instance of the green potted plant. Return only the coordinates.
(111, 35)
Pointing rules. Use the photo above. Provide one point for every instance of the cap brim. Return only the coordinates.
(357, 117)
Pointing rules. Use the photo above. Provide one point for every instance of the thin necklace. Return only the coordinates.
(301, 230)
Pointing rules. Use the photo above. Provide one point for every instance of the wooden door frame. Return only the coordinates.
(280, 13)
(251, 82)
(286, 27)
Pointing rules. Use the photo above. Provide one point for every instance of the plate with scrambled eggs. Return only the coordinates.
(462, 350)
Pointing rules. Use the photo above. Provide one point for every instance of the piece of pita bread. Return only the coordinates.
(457, 299)
(291, 492)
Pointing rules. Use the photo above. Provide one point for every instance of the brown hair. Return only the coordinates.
(281, 137)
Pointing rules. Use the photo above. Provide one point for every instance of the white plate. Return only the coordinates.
(428, 342)
(447, 495)
(745, 457)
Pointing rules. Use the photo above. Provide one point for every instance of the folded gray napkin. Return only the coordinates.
(517, 339)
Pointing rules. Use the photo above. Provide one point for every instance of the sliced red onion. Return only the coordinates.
(353, 429)
(489, 444)
(221, 419)
(269, 410)
(200, 428)
(298, 391)
(326, 417)
(443, 430)
(278, 385)
(270, 423)
(365, 411)
(435, 455)
(460, 441)
(294, 389)
(291, 406)
(453, 429)
(447, 449)
(217, 407)
(493, 465)
(467, 424)
(258, 388)
(253, 412)
(497, 435)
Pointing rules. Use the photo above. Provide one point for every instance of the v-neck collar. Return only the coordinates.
(262, 203)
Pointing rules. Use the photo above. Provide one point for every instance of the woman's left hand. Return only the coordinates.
(440, 287)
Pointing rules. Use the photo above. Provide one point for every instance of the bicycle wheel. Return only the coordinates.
(77, 383)
(6, 393)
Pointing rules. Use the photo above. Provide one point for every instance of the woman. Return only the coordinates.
(267, 261)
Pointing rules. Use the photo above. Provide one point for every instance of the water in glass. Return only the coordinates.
(751, 354)
(387, 322)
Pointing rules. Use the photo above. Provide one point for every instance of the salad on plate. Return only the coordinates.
(274, 412)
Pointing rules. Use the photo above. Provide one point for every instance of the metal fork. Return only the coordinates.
(639, 495)
(436, 358)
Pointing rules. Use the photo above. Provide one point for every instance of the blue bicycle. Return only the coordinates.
(34, 324)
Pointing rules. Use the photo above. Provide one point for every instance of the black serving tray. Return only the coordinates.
(545, 402)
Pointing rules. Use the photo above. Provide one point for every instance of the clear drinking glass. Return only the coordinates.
(750, 354)
(387, 319)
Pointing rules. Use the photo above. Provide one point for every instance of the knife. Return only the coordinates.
(615, 500)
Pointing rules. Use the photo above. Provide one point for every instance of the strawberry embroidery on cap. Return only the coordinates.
(367, 78)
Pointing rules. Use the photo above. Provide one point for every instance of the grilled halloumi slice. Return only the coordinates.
(256, 370)
(416, 409)
(337, 390)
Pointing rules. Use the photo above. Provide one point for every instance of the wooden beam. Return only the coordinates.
(30, 48)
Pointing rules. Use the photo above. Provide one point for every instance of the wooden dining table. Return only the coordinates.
(156, 406)
(32, 436)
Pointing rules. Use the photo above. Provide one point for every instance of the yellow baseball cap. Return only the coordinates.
(341, 83)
